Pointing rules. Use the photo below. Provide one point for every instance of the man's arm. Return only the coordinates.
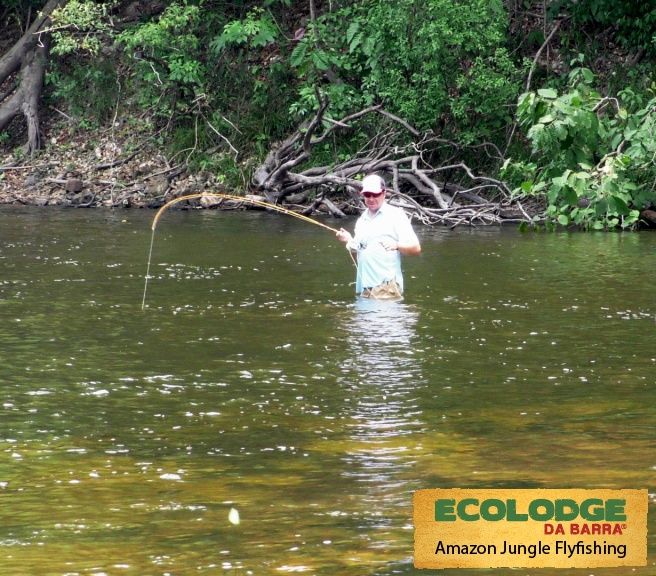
(410, 249)
(408, 243)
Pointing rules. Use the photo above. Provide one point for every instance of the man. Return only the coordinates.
(382, 234)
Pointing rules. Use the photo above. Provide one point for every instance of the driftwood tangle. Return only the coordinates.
(403, 156)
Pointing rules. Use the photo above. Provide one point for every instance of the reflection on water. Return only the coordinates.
(381, 374)
(252, 380)
(382, 379)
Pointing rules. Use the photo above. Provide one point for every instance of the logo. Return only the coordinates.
(491, 528)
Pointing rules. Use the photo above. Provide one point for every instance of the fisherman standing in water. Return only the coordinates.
(382, 234)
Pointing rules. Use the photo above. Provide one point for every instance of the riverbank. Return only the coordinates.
(109, 168)
(122, 167)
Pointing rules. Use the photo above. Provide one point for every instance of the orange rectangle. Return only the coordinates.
(522, 528)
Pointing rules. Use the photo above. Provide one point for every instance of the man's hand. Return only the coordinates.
(343, 235)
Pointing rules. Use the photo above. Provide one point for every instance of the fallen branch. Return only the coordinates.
(118, 162)
(396, 151)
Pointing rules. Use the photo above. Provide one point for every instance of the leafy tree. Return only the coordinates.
(594, 157)
(78, 26)
(250, 81)
(167, 58)
(441, 65)
(255, 31)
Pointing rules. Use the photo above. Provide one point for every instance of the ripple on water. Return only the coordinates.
(253, 380)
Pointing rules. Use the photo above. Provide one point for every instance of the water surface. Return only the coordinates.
(254, 380)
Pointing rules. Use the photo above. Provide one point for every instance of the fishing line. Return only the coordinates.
(150, 255)
(253, 201)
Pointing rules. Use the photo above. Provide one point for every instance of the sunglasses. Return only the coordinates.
(372, 194)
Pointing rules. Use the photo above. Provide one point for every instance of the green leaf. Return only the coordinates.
(561, 131)
(526, 186)
(298, 54)
(601, 207)
(563, 220)
(618, 205)
(352, 30)
(234, 33)
(548, 93)
(353, 45)
(368, 46)
(262, 38)
(558, 182)
(320, 59)
(570, 196)
(588, 76)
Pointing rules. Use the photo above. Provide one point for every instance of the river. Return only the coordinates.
(254, 382)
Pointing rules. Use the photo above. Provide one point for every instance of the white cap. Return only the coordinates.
(373, 183)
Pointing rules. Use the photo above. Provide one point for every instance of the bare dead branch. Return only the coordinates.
(118, 162)
(397, 152)
(403, 123)
(536, 58)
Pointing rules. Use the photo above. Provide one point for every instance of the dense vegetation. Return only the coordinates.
(553, 100)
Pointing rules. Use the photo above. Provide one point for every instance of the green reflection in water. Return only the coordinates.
(254, 380)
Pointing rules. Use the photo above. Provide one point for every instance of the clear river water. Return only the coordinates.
(253, 381)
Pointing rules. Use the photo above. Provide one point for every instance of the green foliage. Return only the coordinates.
(88, 89)
(79, 25)
(633, 23)
(439, 64)
(212, 71)
(256, 30)
(594, 156)
(166, 55)
(249, 81)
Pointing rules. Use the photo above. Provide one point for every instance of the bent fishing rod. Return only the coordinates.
(253, 201)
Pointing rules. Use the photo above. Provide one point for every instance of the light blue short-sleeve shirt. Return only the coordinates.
(375, 264)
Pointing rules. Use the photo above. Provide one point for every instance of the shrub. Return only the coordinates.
(593, 156)
(439, 64)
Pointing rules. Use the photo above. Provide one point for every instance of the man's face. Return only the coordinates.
(374, 201)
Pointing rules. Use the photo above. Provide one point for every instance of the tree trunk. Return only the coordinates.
(29, 54)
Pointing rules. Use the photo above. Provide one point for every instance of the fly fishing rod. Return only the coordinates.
(253, 201)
